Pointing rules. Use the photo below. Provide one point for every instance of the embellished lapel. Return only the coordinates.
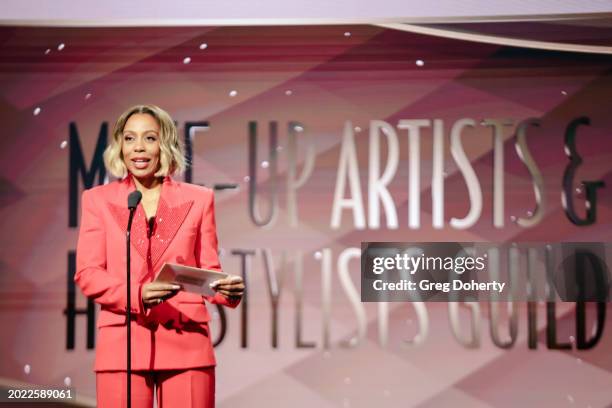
(168, 220)
(172, 209)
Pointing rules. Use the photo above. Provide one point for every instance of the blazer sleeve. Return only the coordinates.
(91, 273)
(206, 251)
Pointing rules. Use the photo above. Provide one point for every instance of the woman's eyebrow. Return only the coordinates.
(146, 131)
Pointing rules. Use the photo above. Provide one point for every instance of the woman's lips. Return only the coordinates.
(140, 163)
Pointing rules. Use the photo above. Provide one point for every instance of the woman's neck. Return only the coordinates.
(144, 185)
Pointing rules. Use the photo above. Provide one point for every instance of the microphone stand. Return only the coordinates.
(133, 200)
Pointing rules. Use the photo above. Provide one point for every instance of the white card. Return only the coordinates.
(192, 279)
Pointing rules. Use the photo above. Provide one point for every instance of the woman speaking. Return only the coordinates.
(175, 222)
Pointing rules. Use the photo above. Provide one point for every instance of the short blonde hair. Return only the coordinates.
(171, 158)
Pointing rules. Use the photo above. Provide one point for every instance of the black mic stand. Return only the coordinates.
(133, 200)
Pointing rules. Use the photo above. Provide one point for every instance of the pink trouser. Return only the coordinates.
(193, 388)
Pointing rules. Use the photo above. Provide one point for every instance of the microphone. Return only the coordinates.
(133, 200)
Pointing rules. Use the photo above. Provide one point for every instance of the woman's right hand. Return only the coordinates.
(154, 293)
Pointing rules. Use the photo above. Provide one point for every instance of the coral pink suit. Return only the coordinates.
(175, 334)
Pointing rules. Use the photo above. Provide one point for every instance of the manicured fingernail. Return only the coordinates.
(176, 287)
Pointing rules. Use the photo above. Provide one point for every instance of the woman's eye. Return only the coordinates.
(151, 138)
(127, 138)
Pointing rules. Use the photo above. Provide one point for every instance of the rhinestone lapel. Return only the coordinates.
(167, 223)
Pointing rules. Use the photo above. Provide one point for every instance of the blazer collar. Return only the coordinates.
(172, 210)
(170, 190)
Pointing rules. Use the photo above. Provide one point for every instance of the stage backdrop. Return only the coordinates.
(316, 139)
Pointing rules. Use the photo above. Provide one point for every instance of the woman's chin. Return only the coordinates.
(142, 173)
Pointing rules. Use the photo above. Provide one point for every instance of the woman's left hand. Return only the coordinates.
(230, 287)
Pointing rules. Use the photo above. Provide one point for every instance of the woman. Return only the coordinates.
(175, 222)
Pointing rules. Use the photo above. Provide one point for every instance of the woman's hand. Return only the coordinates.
(154, 293)
(230, 287)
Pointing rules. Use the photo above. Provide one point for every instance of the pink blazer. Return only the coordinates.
(174, 334)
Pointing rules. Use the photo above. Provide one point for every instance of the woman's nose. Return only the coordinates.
(139, 145)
